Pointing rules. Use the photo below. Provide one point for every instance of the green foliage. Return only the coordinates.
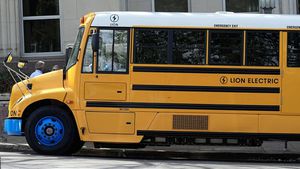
(6, 82)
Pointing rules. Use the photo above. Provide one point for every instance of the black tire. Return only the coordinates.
(77, 145)
(68, 142)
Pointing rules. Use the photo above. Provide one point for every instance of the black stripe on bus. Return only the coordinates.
(206, 70)
(183, 106)
(157, 133)
(207, 89)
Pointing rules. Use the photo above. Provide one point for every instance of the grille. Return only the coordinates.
(190, 122)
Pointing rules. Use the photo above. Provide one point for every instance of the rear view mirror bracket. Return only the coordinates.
(20, 75)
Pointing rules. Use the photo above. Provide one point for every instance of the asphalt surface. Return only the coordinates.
(19, 160)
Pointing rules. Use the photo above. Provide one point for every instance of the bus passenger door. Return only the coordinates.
(105, 81)
(291, 83)
(291, 74)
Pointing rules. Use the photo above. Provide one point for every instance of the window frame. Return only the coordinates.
(225, 5)
(128, 50)
(189, 3)
(36, 18)
(298, 7)
(224, 31)
(246, 47)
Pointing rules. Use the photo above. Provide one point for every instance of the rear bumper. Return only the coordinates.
(13, 127)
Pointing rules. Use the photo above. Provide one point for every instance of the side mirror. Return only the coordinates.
(8, 58)
(95, 42)
(22, 63)
(69, 49)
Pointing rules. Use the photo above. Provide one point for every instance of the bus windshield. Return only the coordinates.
(73, 57)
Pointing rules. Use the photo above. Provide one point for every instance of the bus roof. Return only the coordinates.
(218, 19)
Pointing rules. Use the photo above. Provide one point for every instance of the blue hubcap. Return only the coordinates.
(49, 131)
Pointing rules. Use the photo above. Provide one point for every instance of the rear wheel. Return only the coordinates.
(51, 130)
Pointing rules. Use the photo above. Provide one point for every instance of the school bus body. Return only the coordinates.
(176, 102)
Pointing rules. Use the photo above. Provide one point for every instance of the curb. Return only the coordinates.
(15, 147)
(199, 155)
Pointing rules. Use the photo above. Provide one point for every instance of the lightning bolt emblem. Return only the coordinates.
(114, 18)
(223, 80)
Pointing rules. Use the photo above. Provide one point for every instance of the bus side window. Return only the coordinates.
(262, 48)
(151, 46)
(189, 47)
(226, 47)
(170, 46)
(293, 58)
(87, 65)
(120, 51)
(105, 50)
(113, 51)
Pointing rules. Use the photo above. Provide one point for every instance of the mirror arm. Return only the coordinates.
(27, 79)
(9, 70)
(21, 76)
(22, 73)
(18, 75)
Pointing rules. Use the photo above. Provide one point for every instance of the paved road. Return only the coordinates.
(15, 160)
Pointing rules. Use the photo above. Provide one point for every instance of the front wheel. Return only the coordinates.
(51, 130)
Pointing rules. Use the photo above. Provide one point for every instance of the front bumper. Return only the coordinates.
(13, 127)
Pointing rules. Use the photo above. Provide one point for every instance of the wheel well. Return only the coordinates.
(47, 102)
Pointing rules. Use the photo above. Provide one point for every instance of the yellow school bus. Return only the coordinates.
(135, 79)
